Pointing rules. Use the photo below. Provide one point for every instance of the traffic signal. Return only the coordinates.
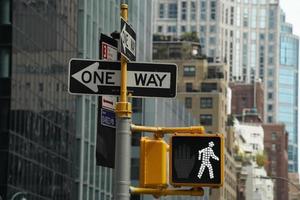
(197, 160)
(153, 163)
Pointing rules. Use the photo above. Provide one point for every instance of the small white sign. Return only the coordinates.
(109, 52)
(109, 102)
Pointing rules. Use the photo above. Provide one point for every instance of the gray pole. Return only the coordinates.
(123, 132)
(122, 159)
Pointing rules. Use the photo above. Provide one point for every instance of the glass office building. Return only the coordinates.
(288, 89)
(94, 17)
(37, 116)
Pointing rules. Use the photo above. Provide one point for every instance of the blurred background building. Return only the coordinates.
(254, 40)
(202, 87)
(37, 120)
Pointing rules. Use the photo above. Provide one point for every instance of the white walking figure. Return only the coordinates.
(207, 153)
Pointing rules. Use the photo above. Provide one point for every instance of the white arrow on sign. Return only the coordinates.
(92, 77)
(128, 42)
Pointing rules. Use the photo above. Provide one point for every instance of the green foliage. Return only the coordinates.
(190, 36)
(261, 159)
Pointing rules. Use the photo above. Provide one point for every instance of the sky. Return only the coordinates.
(292, 13)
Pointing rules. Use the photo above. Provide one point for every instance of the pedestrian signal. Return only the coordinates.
(197, 160)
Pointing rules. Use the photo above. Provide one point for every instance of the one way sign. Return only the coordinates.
(100, 77)
(128, 41)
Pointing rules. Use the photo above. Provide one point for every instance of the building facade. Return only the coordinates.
(243, 34)
(37, 122)
(294, 192)
(250, 143)
(230, 31)
(288, 89)
(202, 87)
(94, 17)
(276, 146)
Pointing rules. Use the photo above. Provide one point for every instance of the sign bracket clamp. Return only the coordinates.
(157, 192)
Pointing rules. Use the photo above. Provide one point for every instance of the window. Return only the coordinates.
(160, 29)
(4, 62)
(255, 146)
(161, 10)
(189, 87)
(231, 15)
(211, 53)
(212, 29)
(208, 87)
(175, 52)
(270, 95)
(274, 135)
(270, 107)
(27, 85)
(206, 102)
(262, 36)
(189, 71)
(270, 119)
(202, 29)
(172, 29)
(270, 83)
(172, 12)
(273, 147)
(183, 10)
(245, 17)
(270, 72)
(193, 11)
(202, 41)
(41, 87)
(270, 60)
(213, 10)
(271, 37)
(183, 29)
(212, 40)
(188, 102)
(206, 119)
(193, 29)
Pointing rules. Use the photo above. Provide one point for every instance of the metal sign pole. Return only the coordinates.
(123, 133)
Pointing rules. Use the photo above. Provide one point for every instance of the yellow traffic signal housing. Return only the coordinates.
(153, 163)
(197, 160)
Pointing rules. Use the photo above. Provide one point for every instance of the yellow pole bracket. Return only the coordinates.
(168, 130)
(163, 192)
(123, 109)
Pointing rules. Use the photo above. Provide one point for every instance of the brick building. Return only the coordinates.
(276, 144)
(247, 103)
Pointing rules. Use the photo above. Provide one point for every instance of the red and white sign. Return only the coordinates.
(109, 102)
(109, 52)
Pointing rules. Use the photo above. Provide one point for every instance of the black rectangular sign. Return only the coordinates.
(98, 77)
(128, 41)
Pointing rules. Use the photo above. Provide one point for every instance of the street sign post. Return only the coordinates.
(128, 41)
(197, 160)
(106, 124)
(100, 77)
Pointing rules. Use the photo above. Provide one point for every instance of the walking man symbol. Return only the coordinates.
(207, 153)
